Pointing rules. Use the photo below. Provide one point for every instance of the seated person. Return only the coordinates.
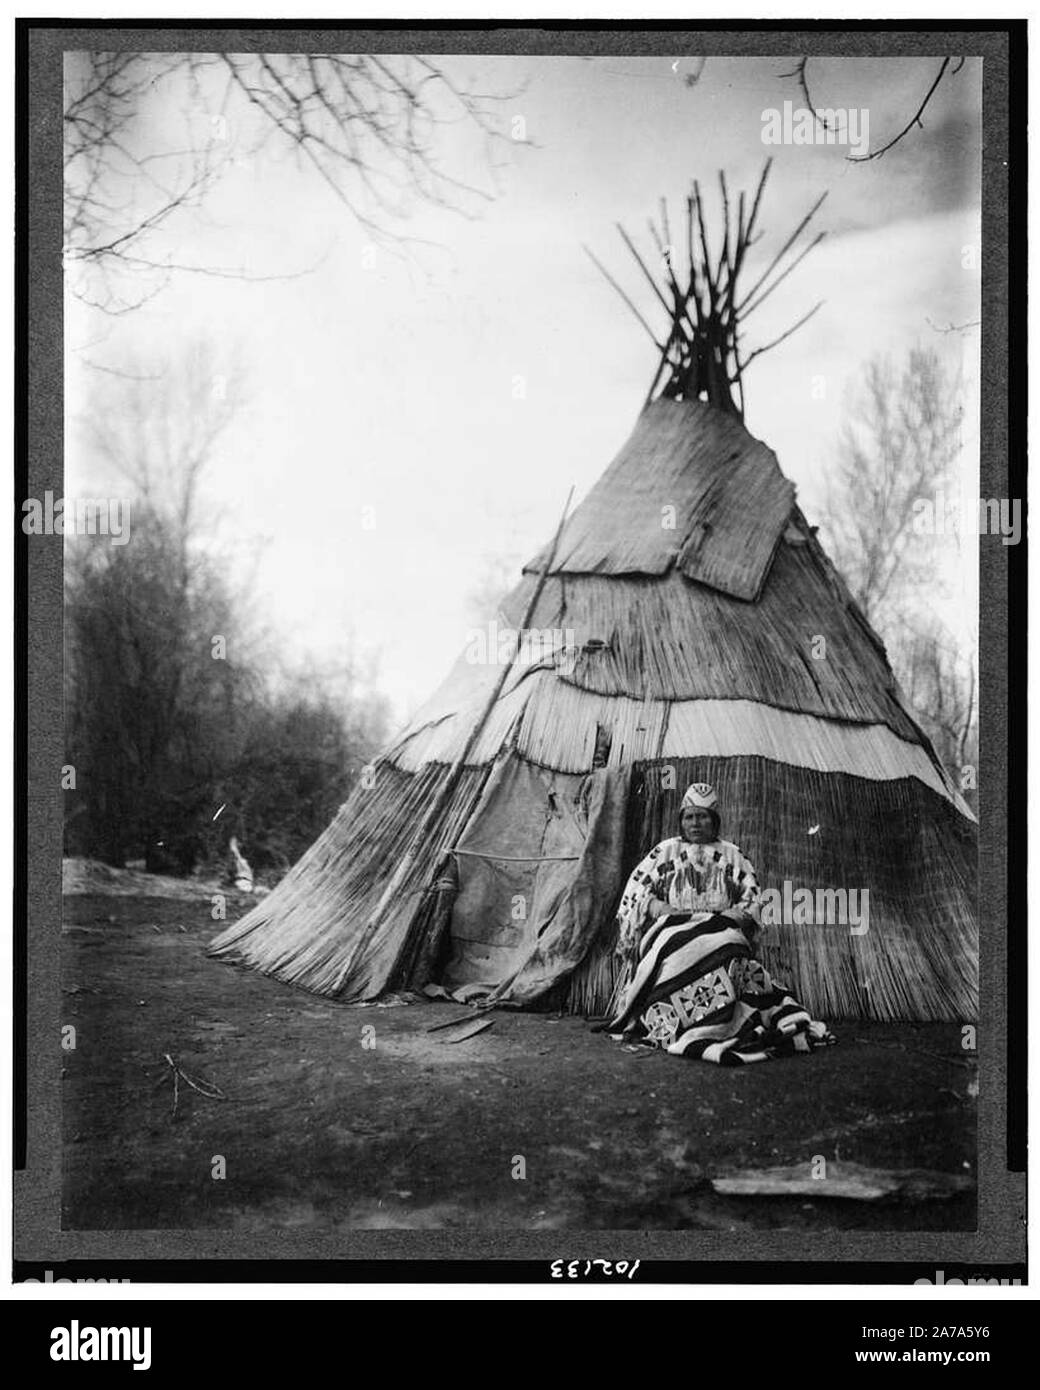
(686, 928)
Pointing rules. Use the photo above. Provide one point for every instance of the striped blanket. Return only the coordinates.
(696, 990)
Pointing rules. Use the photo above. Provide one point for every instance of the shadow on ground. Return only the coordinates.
(318, 1130)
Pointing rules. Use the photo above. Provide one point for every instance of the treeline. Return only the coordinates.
(178, 735)
(182, 724)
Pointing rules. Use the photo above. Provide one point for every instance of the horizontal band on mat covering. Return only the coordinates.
(555, 725)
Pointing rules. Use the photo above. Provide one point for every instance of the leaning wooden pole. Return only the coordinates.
(701, 357)
(421, 838)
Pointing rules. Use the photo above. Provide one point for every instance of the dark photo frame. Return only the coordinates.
(46, 1244)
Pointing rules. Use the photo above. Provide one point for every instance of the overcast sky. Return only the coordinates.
(388, 381)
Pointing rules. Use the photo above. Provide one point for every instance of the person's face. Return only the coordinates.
(698, 825)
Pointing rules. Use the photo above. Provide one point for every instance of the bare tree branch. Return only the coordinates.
(369, 126)
(952, 327)
(803, 82)
(800, 73)
(915, 120)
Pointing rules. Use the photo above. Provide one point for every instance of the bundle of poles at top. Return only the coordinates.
(702, 358)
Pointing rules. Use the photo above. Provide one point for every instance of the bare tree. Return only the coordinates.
(157, 643)
(159, 427)
(941, 683)
(149, 135)
(896, 449)
(182, 722)
(894, 464)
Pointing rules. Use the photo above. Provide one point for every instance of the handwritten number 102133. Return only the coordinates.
(581, 1269)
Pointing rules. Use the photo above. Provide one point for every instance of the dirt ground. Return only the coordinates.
(351, 1116)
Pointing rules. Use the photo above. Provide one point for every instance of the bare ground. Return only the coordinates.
(319, 1130)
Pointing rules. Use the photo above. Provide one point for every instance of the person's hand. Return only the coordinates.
(743, 920)
(627, 951)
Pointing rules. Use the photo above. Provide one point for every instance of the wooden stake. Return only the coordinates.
(639, 261)
(758, 197)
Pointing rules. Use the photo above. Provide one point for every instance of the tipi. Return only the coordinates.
(685, 625)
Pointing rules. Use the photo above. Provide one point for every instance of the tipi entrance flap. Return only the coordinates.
(537, 872)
